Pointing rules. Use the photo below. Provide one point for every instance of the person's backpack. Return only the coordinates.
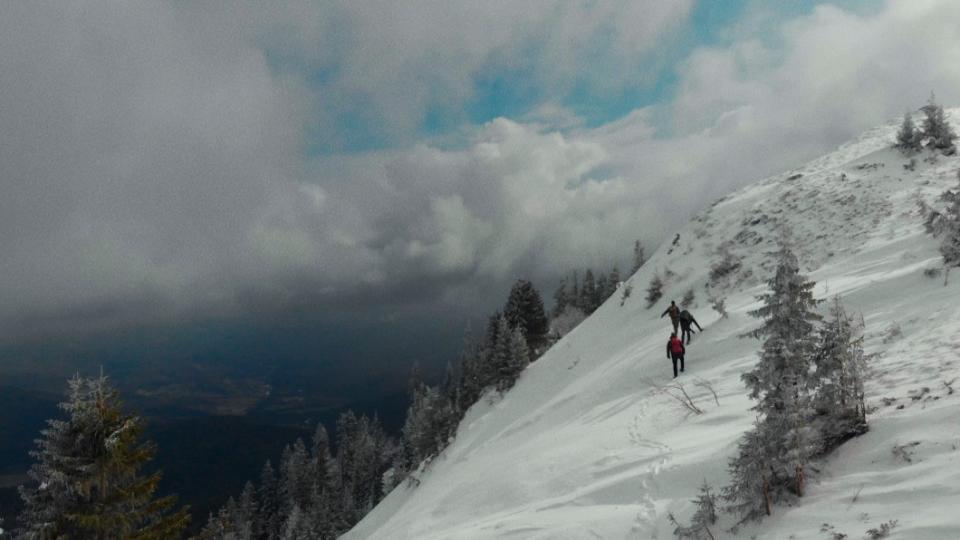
(676, 346)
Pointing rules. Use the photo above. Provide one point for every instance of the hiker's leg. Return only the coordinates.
(681, 363)
(674, 357)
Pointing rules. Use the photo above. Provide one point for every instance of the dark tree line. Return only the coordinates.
(576, 298)
(586, 294)
(314, 493)
(319, 493)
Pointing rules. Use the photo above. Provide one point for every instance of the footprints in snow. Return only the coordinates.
(647, 516)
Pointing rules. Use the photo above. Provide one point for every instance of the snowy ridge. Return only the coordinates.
(585, 447)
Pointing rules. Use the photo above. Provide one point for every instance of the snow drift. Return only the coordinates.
(585, 446)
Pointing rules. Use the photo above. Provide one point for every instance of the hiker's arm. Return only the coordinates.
(665, 312)
(698, 325)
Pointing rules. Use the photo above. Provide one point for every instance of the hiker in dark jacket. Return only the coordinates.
(675, 351)
(674, 313)
(686, 319)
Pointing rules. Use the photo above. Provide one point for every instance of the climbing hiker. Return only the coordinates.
(686, 319)
(674, 313)
(675, 350)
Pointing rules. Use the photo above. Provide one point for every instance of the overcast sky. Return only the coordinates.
(162, 160)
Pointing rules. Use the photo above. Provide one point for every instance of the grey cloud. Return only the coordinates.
(151, 159)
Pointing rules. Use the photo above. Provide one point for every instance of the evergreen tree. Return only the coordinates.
(749, 494)
(782, 381)
(560, 300)
(950, 229)
(268, 495)
(841, 368)
(638, 257)
(588, 293)
(87, 481)
(613, 280)
(501, 360)
(471, 385)
(518, 357)
(574, 297)
(602, 292)
(247, 511)
(524, 310)
(908, 139)
(296, 476)
(936, 129)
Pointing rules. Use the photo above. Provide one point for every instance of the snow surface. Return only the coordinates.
(584, 447)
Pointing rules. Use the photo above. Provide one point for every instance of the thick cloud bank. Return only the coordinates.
(156, 158)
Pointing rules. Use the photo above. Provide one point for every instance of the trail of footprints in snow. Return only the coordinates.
(647, 516)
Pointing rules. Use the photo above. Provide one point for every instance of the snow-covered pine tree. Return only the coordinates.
(908, 138)
(296, 476)
(560, 300)
(246, 518)
(936, 129)
(950, 230)
(639, 258)
(749, 493)
(471, 384)
(588, 292)
(418, 435)
(841, 369)
(602, 290)
(501, 360)
(782, 381)
(524, 309)
(519, 357)
(704, 516)
(268, 495)
(86, 481)
(613, 280)
(573, 298)
(706, 513)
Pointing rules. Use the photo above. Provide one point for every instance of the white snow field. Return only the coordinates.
(584, 447)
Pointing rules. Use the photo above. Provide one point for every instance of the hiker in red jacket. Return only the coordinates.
(675, 351)
(674, 313)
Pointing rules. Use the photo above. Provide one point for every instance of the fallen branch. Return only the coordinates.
(677, 392)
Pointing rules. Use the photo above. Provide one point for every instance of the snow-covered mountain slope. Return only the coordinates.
(585, 447)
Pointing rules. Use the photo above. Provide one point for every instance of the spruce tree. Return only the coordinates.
(950, 230)
(908, 139)
(560, 299)
(936, 129)
(268, 496)
(613, 280)
(524, 310)
(588, 293)
(87, 480)
(749, 494)
(602, 292)
(782, 381)
(841, 369)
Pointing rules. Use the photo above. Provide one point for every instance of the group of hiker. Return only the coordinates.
(675, 346)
